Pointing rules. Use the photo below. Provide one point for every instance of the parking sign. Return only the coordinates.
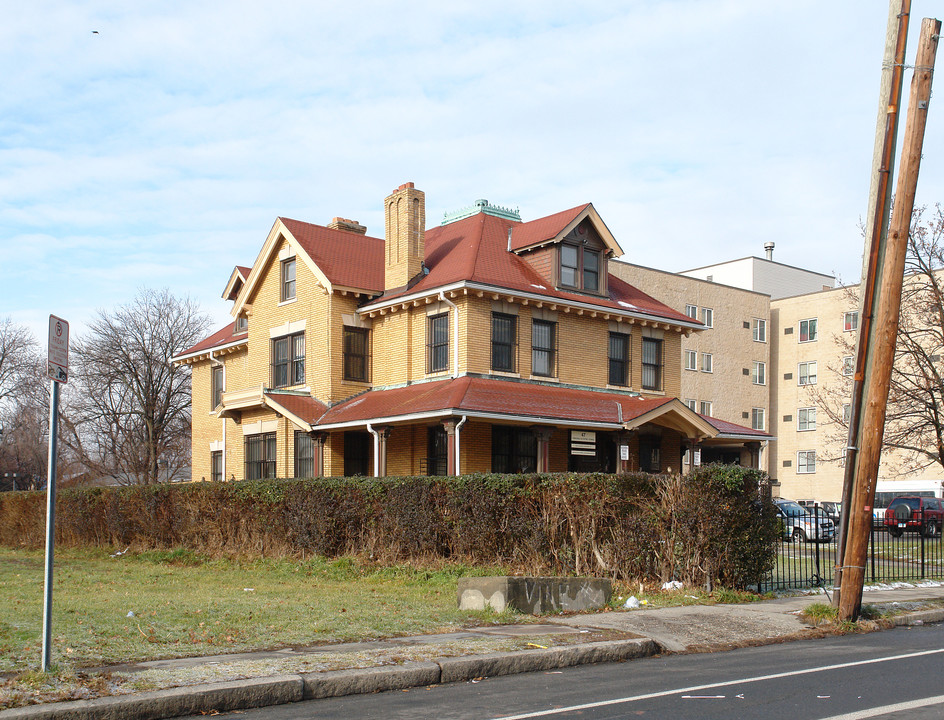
(57, 365)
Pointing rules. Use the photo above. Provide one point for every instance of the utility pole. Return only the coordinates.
(880, 200)
(879, 348)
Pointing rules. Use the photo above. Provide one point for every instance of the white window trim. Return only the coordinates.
(763, 416)
(806, 429)
(693, 356)
(800, 332)
(758, 363)
(808, 362)
(805, 472)
(753, 330)
(852, 329)
(711, 312)
(711, 362)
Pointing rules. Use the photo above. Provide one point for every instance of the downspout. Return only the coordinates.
(459, 425)
(376, 435)
(450, 303)
(214, 361)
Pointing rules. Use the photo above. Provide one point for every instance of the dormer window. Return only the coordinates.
(579, 267)
(242, 324)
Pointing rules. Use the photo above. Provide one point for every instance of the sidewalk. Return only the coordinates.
(640, 633)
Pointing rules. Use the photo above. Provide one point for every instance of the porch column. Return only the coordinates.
(317, 446)
(450, 427)
(384, 433)
(543, 436)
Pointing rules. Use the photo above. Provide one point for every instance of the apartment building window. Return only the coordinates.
(846, 413)
(651, 364)
(216, 466)
(579, 267)
(304, 455)
(707, 317)
(808, 330)
(437, 343)
(619, 359)
(848, 365)
(806, 461)
(260, 456)
(706, 362)
(692, 311)
(216, 387)
(759, 373)
(806, 419)
(758, 418)
(692, 405)
(288, 280)
(288, 360)
(806, 373)
(691, 360)
(759, 329)
(543, 348)
(356, 354)
(704, 408)
(504, 342)
(850, 321)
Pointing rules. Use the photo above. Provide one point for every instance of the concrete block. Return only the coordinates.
(368, 680)
(534, 595)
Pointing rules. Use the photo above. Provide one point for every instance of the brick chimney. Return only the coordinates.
(353, 226)
(405, 224)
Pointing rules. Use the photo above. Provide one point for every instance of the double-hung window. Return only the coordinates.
(758, 418)
(806, 419)
(260, 456)
(806, 373)
(580, 267)
(356, 354)
(691, 360)
(543, 348)
(708, 317)
(850, 321)
(759, 373)
(504, 342)
(216, 466)
(707, 362)
(848, 365)
(437, 343)
(806, 461)
(619, 359)
(651, 364)
(808, 330)
(288, 360)
(304, 455)
(704, 408)
(759, 329)
(288, 280)
(216, 386)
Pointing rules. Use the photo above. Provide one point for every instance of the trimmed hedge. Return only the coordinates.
(715, 525)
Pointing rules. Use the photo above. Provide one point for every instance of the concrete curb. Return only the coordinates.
(260, 692)
(919, 617)
(174, 702)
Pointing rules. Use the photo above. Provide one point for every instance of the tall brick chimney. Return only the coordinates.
(405, 224)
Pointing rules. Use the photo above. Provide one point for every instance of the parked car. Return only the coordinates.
(799, 525)
(826, 507)
(915, 514)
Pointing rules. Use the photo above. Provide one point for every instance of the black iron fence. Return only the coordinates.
(902, 551)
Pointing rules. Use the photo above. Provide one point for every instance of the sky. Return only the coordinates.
(153, 144)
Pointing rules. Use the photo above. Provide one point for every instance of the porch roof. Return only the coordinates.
(513, 401)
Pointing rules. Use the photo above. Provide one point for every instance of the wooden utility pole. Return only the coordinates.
(879, 208)
(879, 357)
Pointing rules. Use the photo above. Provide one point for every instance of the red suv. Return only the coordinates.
(920, 514)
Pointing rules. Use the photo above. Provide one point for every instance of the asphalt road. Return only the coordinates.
(892, 674)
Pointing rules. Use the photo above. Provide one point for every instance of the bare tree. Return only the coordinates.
(914, 423)
(18, 358)
(130, 415)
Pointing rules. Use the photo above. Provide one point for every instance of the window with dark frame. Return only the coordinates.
(580, 267)
(304, 455)
(216, 387)
(288, 360)
(356, 354)
(288, 280)
(514, 450)
(216, 466)
(619, 359)
(260, 456)
(437, 453)
(504, 342)
(808, 330)
(437, 343)
(651, 364)
(543, 348)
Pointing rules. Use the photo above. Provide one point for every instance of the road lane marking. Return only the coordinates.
(696, 688)
(897, 707)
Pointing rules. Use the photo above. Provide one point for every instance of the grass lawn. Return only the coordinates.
(174, 604)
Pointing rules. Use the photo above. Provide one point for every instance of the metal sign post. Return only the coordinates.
(58, 370)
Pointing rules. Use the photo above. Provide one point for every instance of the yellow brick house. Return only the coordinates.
(483, 344)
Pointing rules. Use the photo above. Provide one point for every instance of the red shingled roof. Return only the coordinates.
(305, 407)
(346, 258)
(492, 396)
(221, 337)
(729, 428)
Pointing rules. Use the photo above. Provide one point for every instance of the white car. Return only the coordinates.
(799, 525)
